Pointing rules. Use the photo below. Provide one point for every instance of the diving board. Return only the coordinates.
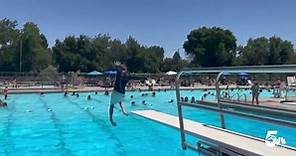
(226, 140)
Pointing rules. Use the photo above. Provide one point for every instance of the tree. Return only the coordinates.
(152, 58)
(264, 51)
(8, 45)
(210, 46)
(176, 63)
(36, 56)
(86, 54)
(292, 58)
(48, 74)
(134, 59)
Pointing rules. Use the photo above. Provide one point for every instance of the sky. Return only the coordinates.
(155, 22)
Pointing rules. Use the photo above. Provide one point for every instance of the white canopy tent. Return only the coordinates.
(171, 73)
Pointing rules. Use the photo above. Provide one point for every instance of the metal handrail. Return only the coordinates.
(232, 70)
(290, 124)
(245, 97)
(234, 95)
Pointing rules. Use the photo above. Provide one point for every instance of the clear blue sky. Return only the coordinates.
(155, 22)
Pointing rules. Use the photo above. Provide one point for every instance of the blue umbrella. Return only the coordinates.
(94, 73)
(110, 72)
(243, 74)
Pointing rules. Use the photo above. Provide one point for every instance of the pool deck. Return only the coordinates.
(93, 89)
(274, 103)
(228, 140)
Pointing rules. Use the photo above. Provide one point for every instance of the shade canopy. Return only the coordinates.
(110, 72)
(243, 74)
(94, 73)
(171, 73)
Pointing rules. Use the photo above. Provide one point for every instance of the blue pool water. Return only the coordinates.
(70, 130)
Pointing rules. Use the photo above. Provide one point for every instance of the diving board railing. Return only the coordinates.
(271, 69)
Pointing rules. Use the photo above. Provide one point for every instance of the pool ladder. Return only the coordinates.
(239, 96)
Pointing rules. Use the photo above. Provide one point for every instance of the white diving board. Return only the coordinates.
(242, 144)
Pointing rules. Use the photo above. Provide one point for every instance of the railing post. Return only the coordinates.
(219, 98)
(180, 114)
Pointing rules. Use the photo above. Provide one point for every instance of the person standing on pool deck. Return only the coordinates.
(255, 92)
(118, 92)
(5, 92)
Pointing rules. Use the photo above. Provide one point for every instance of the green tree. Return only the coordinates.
(85, 54)
(134, 60)
(176, 63)
(36, 56)
(264, 51)
(8, 45)
(65, 54)
(211, 46)
(153, 59)
(292, 58)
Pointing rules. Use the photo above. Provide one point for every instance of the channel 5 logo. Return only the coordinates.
(271, 139)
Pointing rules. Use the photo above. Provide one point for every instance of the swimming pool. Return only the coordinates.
(69, 129)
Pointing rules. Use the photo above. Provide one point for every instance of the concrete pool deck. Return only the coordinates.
(274, 103)
(269, 102)
(93, 89)
(226, 140)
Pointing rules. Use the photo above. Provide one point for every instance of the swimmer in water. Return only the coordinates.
(88, 97)
(77, 95)
(3, 104)
(65, 94)
(203, 97)
(42, 93)
(106, 93)
(186, 99)
(192, 99)
(171, 101)
(153, 94)
(73, 93)
(96, 93)
(144, 102)
(132, 96)
(133, 103)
